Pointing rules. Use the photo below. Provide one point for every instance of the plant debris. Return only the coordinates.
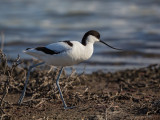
(129, 94)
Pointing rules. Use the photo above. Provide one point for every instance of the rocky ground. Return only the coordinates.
(130, 94)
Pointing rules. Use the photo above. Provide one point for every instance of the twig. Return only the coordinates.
(51, 68)
(15, 64)
(3, 113)
(2, 110)
(3, 61)
(2, 40)
(5, 90)
(10, 72)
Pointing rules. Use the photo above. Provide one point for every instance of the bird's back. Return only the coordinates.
(64, 53)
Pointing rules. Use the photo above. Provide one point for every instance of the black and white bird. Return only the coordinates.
(65, 53)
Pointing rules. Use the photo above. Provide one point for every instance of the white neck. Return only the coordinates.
(88, 50)
(91, 39)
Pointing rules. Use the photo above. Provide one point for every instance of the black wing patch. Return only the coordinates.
(68, 42)
(46, 50)
(28, 48)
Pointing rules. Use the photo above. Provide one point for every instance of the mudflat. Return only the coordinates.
(129, 94)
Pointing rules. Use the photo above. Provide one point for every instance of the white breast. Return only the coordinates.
(80, 52)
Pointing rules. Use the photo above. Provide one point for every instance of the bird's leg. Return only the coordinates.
(61, 95)
(25, 86)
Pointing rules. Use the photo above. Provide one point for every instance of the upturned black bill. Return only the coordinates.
(109, 45)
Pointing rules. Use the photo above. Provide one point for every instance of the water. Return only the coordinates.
(133, 25)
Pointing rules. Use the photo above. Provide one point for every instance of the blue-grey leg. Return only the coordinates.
(61, 95)
(25, 86)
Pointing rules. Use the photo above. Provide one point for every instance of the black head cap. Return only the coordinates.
(91, 32)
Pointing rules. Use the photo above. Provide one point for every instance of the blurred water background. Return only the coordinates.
(133, 25)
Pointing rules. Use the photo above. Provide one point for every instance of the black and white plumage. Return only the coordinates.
(65, 53)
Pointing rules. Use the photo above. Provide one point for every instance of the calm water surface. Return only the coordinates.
(133, 25)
